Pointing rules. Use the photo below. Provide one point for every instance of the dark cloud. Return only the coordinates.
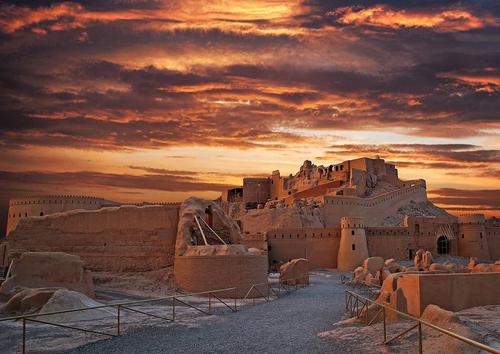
(489, 198)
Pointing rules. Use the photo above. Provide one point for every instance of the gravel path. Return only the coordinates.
(287, 325)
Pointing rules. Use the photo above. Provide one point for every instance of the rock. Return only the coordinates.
(382, 275)
(45, 300)
(495, 267)
(427, 260)
(438, 316)
(392, 266)
(472, 263)
(295, 272)
(438, 267)
(373, 264)
(216, 250)
(418, 259)
(370, 280)
(359, 275)
(27, 301)
(482, 268)
(253, 250)
(48, 269)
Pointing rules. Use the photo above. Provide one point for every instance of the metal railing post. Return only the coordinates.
(118, 324)
(173, 309)
(24, 335)
(385, 329)
(420, 349)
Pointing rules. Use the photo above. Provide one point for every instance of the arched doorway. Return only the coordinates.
(443, 245)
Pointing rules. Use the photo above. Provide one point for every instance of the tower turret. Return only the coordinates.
(353, 249)
(472, 241)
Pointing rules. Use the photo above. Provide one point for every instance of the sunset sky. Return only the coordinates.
(137, 100)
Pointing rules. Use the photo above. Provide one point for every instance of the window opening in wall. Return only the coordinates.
(26, 214)
(41, 213)
(353, 247)
(352, 232)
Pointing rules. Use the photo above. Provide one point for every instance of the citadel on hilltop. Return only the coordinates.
(338, 215)
(335, 216)
(357, 177)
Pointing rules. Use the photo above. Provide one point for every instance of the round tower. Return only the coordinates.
(472, 240)
(353, 249)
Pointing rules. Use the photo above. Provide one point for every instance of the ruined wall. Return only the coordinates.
(475, 289)
(373, 209)
(493, 236)
(256, 190)
(320, 246)
(203, 273)
(127, 238)
(20, 208)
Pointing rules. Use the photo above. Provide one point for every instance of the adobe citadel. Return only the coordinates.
(334, 216)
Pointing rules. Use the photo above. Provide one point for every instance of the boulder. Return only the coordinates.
(359, 275)
(438, 267)
(295, 272)
(495, 267)
(370, 280)
(418, 259)
(392, 266)
(27, 301)
(438, 316)
(427, 260)
(472, 263)
(382, 275)
(482, 268)
(373, 264)
(48, 269)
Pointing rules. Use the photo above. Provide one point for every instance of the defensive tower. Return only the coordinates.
(353, 249)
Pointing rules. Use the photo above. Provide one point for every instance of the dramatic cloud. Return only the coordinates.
(219, 89)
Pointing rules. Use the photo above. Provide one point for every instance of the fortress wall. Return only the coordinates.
(320, 246)
(257, 240)
(312, 192)
(127, 238)
(374, 209)
(20, 208)
(493, 236)
(388, 242)
(204, 273)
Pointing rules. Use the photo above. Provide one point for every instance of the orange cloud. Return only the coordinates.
(384, 16)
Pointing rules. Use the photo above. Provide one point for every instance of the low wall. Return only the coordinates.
(203, 273)
(319, 246)
(127, 238)
(453, 292)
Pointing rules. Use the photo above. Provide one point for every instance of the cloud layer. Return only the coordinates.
(259, 77)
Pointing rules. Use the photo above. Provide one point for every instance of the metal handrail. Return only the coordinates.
(115, 304)
(419, 324)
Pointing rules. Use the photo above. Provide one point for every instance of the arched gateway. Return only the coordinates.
(443, 245)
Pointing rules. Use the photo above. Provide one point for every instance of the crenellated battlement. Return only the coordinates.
(58, 199)
(352, 222)
(471, 219)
